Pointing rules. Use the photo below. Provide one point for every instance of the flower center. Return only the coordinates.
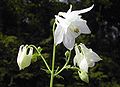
(76, 30)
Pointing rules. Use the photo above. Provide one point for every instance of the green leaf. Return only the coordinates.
(34, 57)
(84, 76)
(67, 53)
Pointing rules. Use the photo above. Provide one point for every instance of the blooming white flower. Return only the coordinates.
(24, 56)
(69, 26)
(86, 58)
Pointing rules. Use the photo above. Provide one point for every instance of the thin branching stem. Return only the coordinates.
(41, 57)
(64, 65)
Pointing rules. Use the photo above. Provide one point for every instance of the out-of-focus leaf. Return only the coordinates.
(34, 57)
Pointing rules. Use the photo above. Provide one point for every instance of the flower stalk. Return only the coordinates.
(64, 65)
(53, 64)
(53, 60)
(41, 57)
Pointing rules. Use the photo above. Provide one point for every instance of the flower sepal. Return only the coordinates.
(83, 76)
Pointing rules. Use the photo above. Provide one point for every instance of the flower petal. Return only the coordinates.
(75, 60)
(58, 35)
(70, 9)
(19, 59)
(72, 17)
(26, 62)
(62, 22)
(64, 14)
(30, 51)
(77, 56)
(91, 56)
(76, 49)
(68, 41)
(83, 65)
(83, 26)
(82, 11)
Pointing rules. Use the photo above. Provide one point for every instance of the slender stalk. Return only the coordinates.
(53, 64)
(42, 57)
(64, 65)
(53, 59)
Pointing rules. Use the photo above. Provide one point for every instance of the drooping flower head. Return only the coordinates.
(24, 56)
(86, 58)
(69, 26)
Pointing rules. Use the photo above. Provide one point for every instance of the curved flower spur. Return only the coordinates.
(69, 26)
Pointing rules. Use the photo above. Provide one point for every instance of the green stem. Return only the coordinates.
(53, 59)
(64, 65)
(42, 57)
(53, 64)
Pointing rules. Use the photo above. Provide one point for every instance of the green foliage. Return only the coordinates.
(6, 40)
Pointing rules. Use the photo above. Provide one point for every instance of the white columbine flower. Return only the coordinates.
(86, 58)
(24, 56)
(69, 26)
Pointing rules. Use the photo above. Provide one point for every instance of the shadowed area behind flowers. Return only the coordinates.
(30, 22)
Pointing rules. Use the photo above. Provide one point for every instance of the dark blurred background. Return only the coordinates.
(30, 22)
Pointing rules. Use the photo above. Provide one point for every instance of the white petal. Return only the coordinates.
(93, 56)
(26, 62)
(64, 23)
(30, 52)
(84, 48)
(19, 55)
(59, 18)
(83, 26)
(75, 60)
(58, 35)
(68, 41)
(90, 56)
(82, 11)
(92, 64)
(76, 49)
(83, 65)
(20, 51)
(72, 17)
(69, 11)
(78, 57)
(64, 14)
